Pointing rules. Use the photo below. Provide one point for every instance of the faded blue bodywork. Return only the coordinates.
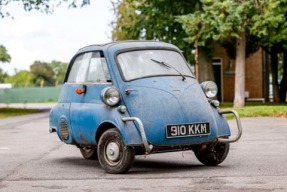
(156, 101)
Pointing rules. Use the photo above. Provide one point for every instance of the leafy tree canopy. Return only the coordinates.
(3, 75)
(220, 21)
(152, 20)
(264, 22)
(270, 25)
(46, 6)
(42, 74)
(59, 69)
(4, 56)
(20, 79)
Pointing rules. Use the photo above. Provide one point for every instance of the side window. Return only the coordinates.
(89, 67)
(80, 68)
(98, 70)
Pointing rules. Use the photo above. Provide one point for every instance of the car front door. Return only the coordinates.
(88, 76)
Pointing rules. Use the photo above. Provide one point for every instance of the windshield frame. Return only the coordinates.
(150, 48)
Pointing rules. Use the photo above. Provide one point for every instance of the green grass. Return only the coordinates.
(11, 112)
(257, 109)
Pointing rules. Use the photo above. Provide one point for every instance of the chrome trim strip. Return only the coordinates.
(148, 147)
(239, 127)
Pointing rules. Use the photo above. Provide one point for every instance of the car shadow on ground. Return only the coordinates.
(148, 166)
(142, 166)
(77, 161)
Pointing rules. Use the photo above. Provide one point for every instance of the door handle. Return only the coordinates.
(128, 91)
(81, 91)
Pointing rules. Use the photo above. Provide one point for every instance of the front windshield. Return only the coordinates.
(140, 64)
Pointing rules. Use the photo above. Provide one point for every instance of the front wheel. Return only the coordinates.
(114, 156)
(213, 154)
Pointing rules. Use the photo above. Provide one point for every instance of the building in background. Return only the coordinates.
(256, 89)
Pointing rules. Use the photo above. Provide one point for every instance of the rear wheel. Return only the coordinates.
(213, 154)
(89, 153)
(114, 156)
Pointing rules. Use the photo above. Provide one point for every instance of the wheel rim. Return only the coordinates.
(112, 153)
(87, 150)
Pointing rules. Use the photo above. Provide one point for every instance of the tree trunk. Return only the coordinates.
(42, 82)
(283, 83)
(205, 71)
(274, 71)
(266, 79)
(239, 91)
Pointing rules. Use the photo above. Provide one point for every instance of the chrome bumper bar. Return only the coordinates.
(239, 127)
(52, 129)
(148, 147)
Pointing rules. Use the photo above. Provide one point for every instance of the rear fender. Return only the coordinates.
(60, 114)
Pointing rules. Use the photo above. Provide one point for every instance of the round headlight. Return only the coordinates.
(110, 96)
(209, 88)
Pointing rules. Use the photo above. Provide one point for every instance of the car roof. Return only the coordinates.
(129, 44)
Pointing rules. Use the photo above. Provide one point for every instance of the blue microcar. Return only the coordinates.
(129, 98)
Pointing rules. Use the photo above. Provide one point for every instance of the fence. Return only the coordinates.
(29, 95)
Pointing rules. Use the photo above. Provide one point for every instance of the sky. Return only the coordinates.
(32, 36)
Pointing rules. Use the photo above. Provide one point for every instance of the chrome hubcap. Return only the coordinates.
(113, 151)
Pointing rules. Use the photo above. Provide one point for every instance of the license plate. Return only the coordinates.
(187, 130)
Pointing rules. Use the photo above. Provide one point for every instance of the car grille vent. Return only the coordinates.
(64, 130)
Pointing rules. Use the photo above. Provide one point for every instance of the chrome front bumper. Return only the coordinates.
(148, 147)
(239, 127)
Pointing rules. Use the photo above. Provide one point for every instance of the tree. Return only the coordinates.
(3, 76)
(42, 74)
(46, 6)
(59, 70)
(4, 56)
(233, 20)
(20, 79)
(152, 20)
(223, 21)
(271, 28)
(125, 26)
(283, 83)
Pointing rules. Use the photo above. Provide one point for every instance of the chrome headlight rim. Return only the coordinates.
(209, 88)
(110, 96)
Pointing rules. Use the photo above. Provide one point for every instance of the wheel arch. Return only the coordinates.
(102, 128)
(128, 131)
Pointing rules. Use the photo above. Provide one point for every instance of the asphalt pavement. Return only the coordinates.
(31, 159)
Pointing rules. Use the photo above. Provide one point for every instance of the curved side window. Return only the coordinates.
(89, 67)
(98, 70)
(80, 68)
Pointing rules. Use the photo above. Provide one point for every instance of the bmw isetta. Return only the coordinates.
(129, 98)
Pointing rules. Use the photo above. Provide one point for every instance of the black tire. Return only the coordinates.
(89, 153)
(213, 154)
(120, 157)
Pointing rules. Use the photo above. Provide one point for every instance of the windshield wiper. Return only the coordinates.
(166, 65)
